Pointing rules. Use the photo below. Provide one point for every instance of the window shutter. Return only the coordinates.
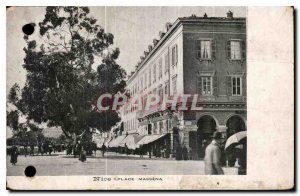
(229, 87)
(244, 85)
(213, 49)
(228, 49)
(199, 85)
(215, 85)
(243, 43)
(197, 49)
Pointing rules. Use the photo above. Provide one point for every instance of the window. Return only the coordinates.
(236, 85)
(167, 88)
(166, 63)
(155, 127)
(235, 50)
(204, 85)
(154, 73)
(174, 83)
(160, 92)
(161, 126)
(174, 55)
(145, 87)
(204, 49)
(141, 89)
(160, 68)
(150, 81)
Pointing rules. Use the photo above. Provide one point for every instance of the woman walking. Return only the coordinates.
(14, 155)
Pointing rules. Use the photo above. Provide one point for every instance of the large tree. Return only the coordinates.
(68, 68)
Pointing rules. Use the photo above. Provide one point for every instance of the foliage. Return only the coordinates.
(62, 83)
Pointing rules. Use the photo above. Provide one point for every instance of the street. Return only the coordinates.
(113, 164)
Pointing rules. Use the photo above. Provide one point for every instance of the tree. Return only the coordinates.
(63, 80)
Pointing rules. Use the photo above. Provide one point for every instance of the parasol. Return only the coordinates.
(235, 138)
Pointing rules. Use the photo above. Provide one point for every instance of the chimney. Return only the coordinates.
(146, 53)
(161, 34)
(155, 41)
(150, 47)
(168, 25)
(229, 14)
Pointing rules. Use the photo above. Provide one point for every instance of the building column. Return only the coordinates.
(223, 130)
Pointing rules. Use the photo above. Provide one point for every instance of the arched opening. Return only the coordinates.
(235, 124)
(206, 127)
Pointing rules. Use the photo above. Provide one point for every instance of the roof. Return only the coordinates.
(181, 20)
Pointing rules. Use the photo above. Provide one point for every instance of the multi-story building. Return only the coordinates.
(204, 56)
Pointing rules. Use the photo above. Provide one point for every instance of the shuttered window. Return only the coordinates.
(174, 55)
(174, 84)
(205, 85)
(160, 68)
(150, 81)
(236, 85)
(206, 49)
(236, 49)
(166, 63)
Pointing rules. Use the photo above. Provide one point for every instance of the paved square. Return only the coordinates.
(113, 164)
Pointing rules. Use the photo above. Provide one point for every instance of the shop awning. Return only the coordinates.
(116, 142)
(107, 141)
(149, 138)
(131, 141)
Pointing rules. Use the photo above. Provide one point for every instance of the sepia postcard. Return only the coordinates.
(150, 98)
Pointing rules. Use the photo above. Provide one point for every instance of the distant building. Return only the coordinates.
(196, 55)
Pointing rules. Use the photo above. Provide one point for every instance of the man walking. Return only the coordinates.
(212, 159)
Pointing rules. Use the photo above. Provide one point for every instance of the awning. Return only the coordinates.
(107, 141)
(131, 141)
(149, 138)
(115, 142)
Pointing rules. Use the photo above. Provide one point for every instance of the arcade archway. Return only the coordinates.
(235, 124)
(206, 127)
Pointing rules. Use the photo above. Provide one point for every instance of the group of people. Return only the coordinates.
(213, 157)
(81, 149)
(28, 148)
(182, 153)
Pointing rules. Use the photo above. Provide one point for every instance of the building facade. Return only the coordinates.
(203, 56)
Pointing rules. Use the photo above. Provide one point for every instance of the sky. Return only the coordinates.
(134, 28)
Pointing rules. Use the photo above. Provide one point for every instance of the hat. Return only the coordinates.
(217, 135)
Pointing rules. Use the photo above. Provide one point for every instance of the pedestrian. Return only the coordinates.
(185, 153)
(212, 159)
(179, 153)
(50, 149)
(190, 154)
(141, 151)
(25, 149)
(103, 148)
(44, 148)
(14, 155)
(54, 147)
(242, 170)
(82, 156)
(32, 149)
(39, 148)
